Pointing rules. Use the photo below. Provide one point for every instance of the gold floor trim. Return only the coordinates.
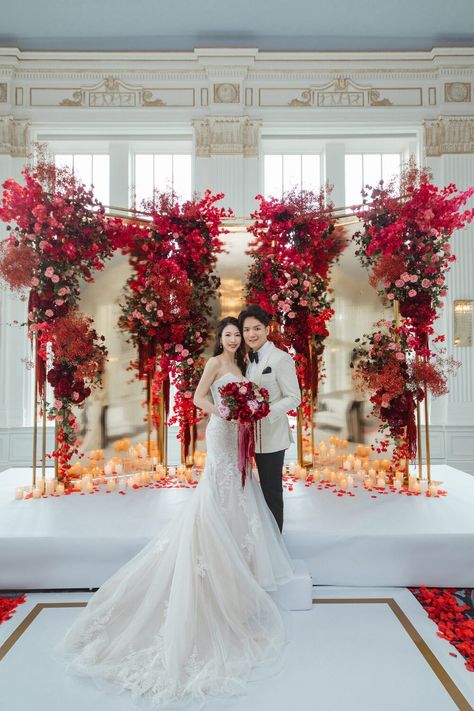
(31, 616)
(435, 665)
(454, 692)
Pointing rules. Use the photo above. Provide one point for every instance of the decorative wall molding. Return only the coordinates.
(227, 136)
(14, 136)
(344, 92)
(449, 134)
(111, 92)
(3, 92)
(457, 92)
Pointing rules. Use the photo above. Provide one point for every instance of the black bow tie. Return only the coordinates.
(253, 357)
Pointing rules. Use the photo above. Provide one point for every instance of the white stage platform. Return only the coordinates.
(392, 540)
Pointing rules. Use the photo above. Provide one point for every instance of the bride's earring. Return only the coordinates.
(219, 345)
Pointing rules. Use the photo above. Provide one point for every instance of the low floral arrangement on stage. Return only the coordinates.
(245, 403)
(58, 237)
(167, 302)
(296, 242)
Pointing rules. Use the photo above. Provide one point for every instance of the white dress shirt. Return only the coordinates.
(252, 366)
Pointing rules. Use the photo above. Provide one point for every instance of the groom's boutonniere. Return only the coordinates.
(267, 370)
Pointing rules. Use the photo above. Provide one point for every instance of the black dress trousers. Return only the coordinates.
(270, 472)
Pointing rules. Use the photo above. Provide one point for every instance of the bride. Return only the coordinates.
(189, 616)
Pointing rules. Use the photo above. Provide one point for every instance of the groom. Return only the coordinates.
(273, 369)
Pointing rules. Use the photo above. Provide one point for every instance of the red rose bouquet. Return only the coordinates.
(245, 403)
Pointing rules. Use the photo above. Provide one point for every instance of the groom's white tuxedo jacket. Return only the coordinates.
(276, 372)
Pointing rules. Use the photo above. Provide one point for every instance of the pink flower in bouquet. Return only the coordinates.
(224, 411)
(425, 283)
(399, 283)
(412, 293)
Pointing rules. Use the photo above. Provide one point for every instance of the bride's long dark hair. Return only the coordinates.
(218, 348)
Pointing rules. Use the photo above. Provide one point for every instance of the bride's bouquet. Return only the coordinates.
(245, 403)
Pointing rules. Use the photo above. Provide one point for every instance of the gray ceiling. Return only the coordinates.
(264, 24)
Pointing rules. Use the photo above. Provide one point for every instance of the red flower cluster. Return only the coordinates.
(244, 402)
(443, 608)
(387, 366)
(58, 237)
(77, 364)
(167, 303)
(405, 241)
(296, 242)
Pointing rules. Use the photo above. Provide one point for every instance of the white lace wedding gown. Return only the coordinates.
(188, 616)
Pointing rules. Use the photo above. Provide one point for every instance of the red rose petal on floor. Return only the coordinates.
(452, 654)
(373, 497)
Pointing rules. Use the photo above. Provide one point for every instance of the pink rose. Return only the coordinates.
(412, 293)
(399, 283)
(55, 278)
(242, 390)
(188, 394)
(58, 404)
(178, 348)
(294, 281)
(75, 396)
(34, 281)
(185, 353)
(400, 355)
(414, 278)
(390, 296)
(59, 302)
(440, 281)
(291, 314)
(190, 361)
(49, 313)
(306, 283)
(274, 297)
(405, 276)
(160, 313)
(49, 271)
(303, 302)
(425, 283)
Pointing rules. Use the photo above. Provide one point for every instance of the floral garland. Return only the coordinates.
(58, 238)
(295, 244)
(167, 303)
(404, 243)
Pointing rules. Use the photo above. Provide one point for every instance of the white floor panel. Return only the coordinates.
(354, 655)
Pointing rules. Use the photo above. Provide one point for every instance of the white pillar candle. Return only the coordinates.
(119, 468)
(111, 484)
(347, 465)
(60, 488)
(49, 486)
(108, 469)
(397, 484)
(291, 468)
(90, 487)
(357, 464)
(343, 483)
(417, 487)
(433, 489)
(36, 493)
(381, 482)
(350, 480)
(19, 493)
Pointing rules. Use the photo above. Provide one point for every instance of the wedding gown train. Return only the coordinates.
(189, 616)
